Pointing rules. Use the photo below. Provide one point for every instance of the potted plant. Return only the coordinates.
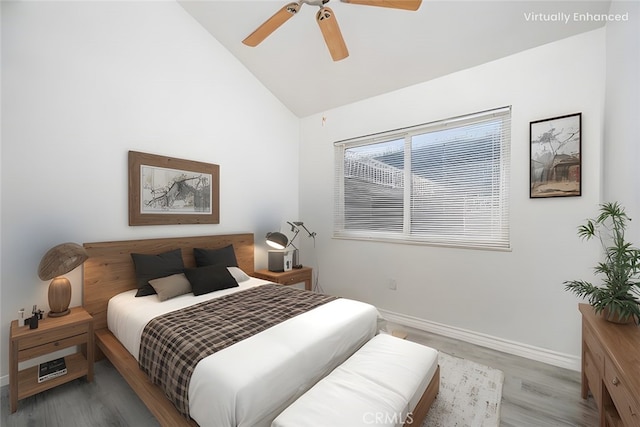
(617, 297)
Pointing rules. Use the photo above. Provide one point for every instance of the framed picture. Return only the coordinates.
(556, 157)
(165, 190)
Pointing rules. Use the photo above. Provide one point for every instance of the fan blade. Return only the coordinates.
(331, 33)
(271, 24)
(394, 4)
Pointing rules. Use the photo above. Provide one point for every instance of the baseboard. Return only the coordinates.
(511, 347)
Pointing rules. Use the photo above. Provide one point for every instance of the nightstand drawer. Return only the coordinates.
(51, 336)
(294, 278)
(50, 347)
(618, 389)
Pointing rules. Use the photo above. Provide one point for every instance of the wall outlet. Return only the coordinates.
(393, 285)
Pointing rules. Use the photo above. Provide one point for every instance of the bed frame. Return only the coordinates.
(110, 271)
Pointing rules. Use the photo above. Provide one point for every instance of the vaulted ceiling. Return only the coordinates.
(388, 48)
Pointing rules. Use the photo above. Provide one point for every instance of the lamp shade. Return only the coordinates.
(61, 259)
(277, 240)
(57, 261)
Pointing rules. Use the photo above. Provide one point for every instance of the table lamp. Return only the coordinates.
(278, 240)
(60, 260)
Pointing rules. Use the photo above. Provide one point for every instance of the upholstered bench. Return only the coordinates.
(387, 382)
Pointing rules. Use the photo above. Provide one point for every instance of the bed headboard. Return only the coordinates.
(110, 271)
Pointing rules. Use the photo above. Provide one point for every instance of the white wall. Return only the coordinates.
(622, 113)
(83, 83)
(517, 296)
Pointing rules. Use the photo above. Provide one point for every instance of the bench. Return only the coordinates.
(387, 382)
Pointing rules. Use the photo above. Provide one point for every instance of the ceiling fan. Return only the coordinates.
(326, 20)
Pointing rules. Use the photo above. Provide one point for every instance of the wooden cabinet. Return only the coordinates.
(611, 368)
(52, 334)
(297, 275)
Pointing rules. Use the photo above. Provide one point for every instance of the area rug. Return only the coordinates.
(469, 395)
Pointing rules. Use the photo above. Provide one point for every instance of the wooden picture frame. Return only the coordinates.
(556, 157)
(165, 190)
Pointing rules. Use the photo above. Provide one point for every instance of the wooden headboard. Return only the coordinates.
(110, 271)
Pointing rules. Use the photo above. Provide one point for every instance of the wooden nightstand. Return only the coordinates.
(52, 334)
(297, 275)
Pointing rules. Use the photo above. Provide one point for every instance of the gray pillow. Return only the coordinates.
(171, 286)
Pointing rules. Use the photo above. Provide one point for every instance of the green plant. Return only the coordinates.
(618, 294)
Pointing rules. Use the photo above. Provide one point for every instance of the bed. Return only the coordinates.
(246, 384)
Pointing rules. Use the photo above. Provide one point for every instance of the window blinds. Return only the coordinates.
(445, 182)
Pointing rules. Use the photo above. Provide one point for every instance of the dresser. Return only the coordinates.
(611, 368)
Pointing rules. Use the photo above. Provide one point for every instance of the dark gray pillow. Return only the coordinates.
(225, 256)
(150, 267)
(210, 278)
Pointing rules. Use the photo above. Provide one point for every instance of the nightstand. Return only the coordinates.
(52, 334)
(291, 277)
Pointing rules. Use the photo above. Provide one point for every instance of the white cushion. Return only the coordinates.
(379, 385)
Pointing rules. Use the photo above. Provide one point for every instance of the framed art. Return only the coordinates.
(166, 190)
(556, 157)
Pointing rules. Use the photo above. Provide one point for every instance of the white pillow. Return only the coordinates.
(238, 274)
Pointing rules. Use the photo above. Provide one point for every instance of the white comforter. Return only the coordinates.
(249, 383)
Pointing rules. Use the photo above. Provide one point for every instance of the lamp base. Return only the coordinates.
(278, 261)
(59, 297)
(59, 314)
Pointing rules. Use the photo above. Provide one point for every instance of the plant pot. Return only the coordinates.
(613, 317)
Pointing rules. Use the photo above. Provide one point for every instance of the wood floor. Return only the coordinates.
(534, 395)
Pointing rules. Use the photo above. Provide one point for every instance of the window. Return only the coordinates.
(442, 183)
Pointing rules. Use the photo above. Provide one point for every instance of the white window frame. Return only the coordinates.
(494, 225)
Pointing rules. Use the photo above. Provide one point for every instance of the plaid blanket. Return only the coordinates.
(172, 344)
